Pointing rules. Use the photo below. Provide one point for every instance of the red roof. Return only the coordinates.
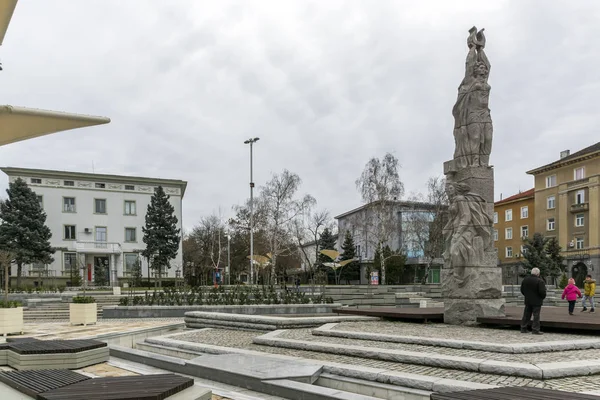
(522, 195)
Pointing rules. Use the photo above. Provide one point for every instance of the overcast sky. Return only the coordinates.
(326, 85)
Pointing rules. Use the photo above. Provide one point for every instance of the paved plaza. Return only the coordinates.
(244, 340)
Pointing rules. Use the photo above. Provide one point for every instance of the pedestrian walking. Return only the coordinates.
(534, 290)
(589, 290)
(571, 293)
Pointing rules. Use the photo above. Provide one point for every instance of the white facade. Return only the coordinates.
(96, 220)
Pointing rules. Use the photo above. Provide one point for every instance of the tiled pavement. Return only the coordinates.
(243, 339)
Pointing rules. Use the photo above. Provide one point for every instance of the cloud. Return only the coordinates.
(325, 85)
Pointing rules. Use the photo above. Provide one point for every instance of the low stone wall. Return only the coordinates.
(179, 311)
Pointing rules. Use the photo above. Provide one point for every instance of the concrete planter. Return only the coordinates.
(11, 320)
(83, 314)
(179, 311)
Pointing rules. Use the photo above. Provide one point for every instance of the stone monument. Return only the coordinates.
(471, 278)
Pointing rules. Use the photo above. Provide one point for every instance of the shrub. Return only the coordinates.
(10, 304)
(83, 299)
(564, 281)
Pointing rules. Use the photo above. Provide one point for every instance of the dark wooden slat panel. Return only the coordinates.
(34, 382)
(550, 317)
(419, 314)
(512, 393)
(146, 387)
(55, 346)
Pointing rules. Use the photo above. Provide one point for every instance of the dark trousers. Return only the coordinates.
(527, 313)
(572, 306)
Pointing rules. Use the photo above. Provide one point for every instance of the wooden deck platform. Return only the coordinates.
(406, 314)
(550, 317)
(512, 393)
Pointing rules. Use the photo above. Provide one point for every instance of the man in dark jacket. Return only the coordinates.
(534, 290)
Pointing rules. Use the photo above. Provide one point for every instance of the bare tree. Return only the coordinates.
(380, 187)
(206, 244)
(282, 207)
(308, 229)
(423, 229)
(6, 260)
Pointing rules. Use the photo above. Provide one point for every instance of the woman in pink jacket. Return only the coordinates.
(571, 292)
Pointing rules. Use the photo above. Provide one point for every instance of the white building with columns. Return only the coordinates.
(96, 222)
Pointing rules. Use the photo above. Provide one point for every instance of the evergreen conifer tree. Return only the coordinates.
(351, 271)
(161, 234)
(23, 230)
(326, 242)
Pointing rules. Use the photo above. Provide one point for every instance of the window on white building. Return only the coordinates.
(40, 200)
(69, 232)
(100, 185)
(550, 224)
(524, 231)
(508, 233)
(550, 202)
(495, 217)
(36, 181)
(509, 252)
(129, 187)
(579, 173)
(69, 183)
(129, 207)
(69, 204)
(508, 215)
(129, 262)
(524, 212)
(495, 235)
(580, 197)
(551, 181)
(70, 262)
(579, 219)
(100, 206)
(579, 243)
(130, 234)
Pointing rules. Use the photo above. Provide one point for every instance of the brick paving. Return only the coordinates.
(532, 358)
(243, 340)
(438, 330)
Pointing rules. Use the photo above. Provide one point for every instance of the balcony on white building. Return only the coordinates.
(98, 247)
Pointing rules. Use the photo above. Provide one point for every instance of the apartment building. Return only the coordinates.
(96, 222)
(408, 225)
(514, 219)
(567, 206)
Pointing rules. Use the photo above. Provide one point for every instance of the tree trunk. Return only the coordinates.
(160, 276)
(19, 273)
(6, 272)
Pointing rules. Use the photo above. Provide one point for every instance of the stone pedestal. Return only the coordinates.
(471, 278)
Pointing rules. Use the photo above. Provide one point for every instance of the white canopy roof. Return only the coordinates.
(20, 123)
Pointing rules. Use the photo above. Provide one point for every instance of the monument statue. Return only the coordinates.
(472, 120)
(466, 232)
(471, 278)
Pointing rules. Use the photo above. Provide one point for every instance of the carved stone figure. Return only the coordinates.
(471, 279)
(472, 121)
(467, 232)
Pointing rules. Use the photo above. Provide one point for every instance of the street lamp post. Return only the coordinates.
(251, 142)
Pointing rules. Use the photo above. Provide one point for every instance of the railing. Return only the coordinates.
(578, 207)
(98, 247)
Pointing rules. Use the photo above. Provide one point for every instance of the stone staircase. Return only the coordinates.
(512, 295)
(405, 296)
(59, 309)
